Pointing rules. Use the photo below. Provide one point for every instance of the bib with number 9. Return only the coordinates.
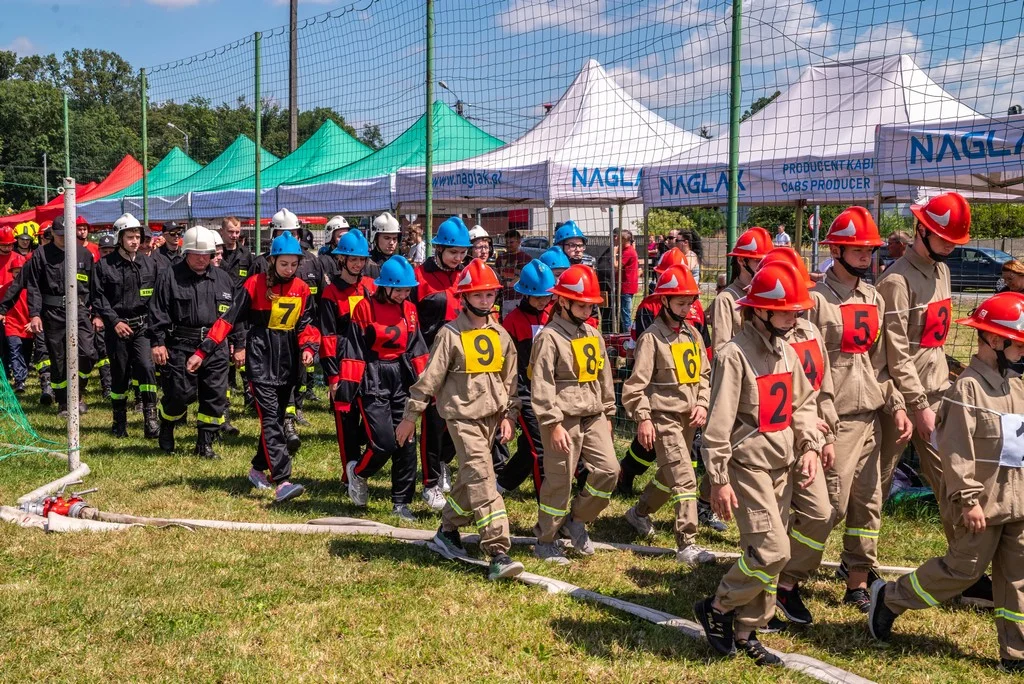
(284, 313)
(587, 351)
(687, 358)
(483, 351)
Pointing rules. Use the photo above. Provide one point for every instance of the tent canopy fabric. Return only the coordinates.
(127, 171)
(327, 149)
(589, 149)
(366, 185)
(172, 168)
(814, 143)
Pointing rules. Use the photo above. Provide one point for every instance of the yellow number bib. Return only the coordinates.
(352, 301)
(589, 361)
(284, 313)
(687, 358)
(483, 351)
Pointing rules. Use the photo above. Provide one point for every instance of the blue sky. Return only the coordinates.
(506, 58)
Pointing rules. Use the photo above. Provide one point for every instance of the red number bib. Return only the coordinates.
(390, 341)
(936, 324)
(775, 402)
(809, 354)
(860, 327)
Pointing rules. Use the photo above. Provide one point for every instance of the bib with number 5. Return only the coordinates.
(687, 359)
(587, 351)
(284, 313)
(482, 349)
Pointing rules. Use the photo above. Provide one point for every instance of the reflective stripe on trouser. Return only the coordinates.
(940, 579)
(675, 482)
(637, 459)
(435, 445)
(810, 522)
(763, 521)
(272, 448)
(131, 363)
(381, 404)
(209, 386)
(54, 334)
(855, 488)
(529, 456)
(474, 497)
(590, 440)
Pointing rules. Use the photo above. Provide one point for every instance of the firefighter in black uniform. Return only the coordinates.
(24, 235)
(385, 234)
(333, 231)
(187, 300)
(146, 247)
(170, 249)
(236, 259)
(122, 287)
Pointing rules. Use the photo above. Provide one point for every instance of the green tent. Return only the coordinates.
(173, 168)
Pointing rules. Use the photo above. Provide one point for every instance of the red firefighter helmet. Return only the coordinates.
(578, 283)
(854, 227)
(790, 256)
(947, 215)
(754, 243)
(1002, 314)
(673, 257)
(17, 260)
(779, 287)
(6, 235)
(477, 277)
(677, 281)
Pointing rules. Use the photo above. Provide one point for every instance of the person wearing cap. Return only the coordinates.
(667, 395)
(382, 356)
(187, 301)
(121, 292)
(148, 246)
(509, 264)
(384, 236)
(574, 400)
(472, 372)
(18, 338)
(236, 259)
(171, 248)
(107, 244)
(979, 424)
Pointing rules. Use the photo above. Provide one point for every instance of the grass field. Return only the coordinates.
(173, 605)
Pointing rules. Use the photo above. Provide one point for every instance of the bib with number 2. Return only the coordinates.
(284, 313)
(687, 359)
(587, 351)
(775, 406)
(482, 349)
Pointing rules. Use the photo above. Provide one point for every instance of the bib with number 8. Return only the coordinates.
(482, 349)
(284, 313)
(687, 359)
(587, 351)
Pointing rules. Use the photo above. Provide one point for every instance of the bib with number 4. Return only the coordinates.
(284, 313)
(687, 359)
(482, 349)
(587, 351)
(775, 402)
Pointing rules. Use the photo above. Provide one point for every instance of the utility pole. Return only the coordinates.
(46, 185)
(293, 77)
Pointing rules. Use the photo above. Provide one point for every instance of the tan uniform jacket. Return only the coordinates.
(462, 395)
(805, 331)
(727, 318)
(732, 432)
(970, 440)
(556, 390)
(861, 381)
(908, 287)
(654, 383)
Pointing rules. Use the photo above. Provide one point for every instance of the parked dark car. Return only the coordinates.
(534, 245)
(976, 268)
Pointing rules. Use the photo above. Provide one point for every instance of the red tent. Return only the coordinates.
(124, 174)
(54, 207)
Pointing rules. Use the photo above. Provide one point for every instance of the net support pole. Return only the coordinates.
(734, 126)
(145, 147)
(293, 75)
(67, 142)
(428, 157)
(551, 223)
(258, 108)
(617, 274)
(798, 232)
(817, 236)
(647, 256)
(71, 321)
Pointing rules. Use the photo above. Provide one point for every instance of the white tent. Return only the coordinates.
(590, 149)
(981, 157)
(814, 143)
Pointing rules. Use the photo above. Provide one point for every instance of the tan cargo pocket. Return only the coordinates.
(759, 521)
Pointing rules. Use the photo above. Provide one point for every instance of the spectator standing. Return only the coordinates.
(781, 238)
(692, 260)
(628, 279)
(416, 248)
(508, 265)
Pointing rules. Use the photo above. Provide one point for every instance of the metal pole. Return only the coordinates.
(46, 184)
(259, 144)
(67, 141)
(817, 235)
(71, 319)
(145, 147)
(647, 256)
(617, 277)
(734, 126)
(293, 76)
(612, 305)
(798, 235)
(551, 224)
(428, 161)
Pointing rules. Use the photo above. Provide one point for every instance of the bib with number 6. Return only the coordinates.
(284, 313)
(687, 359)
(587, 351)
(482, 349)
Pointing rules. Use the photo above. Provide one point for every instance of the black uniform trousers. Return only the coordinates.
(436, 445)
(272, 455)
(351, 438)
(131, 363)
(381, 404)
(102, 364)
(529, 457)
(54, 331)
(209, 385)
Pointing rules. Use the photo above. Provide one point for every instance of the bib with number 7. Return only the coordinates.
(775, 402)
(482, 349)
(284, 313)
(587, 352)
(686, 356)
(937, 318)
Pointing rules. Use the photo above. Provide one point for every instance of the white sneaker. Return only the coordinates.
(258, 479)
(434, 497)
(695, 554)
(577, 532)
(446, 478)
(357, 489)
(641, 523)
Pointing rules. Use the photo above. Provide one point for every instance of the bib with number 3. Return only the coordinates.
(482, 349)
(284, 313)
(687, 359)
(587, 351)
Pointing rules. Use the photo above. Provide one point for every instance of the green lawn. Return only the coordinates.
(173, 605)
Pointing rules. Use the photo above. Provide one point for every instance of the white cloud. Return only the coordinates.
(594, 16)
(22, 45)
(884, 40)
(173, 4)
(988, 78)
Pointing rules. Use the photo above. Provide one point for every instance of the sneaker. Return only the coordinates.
(695, 554)
(641, 523)
(717, 626)
(357, 489)
(434, 497)
(1011, 666)
(577, 532)
(707, 518)
(792, 606)
(258, 479)
(449, 543)
(300, 419)
(551, 553)
(403, 512)
(860, 598)
(979, 594)
(287, 490)
(755, 650)
(502, 567)
(446, 478)
(880, 618)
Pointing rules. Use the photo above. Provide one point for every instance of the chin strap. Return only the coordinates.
(388, 291)
(440, 262)
(773, 332)
(572, 317)
(1001, 361)
(932, 254)
(356, 274)
(853, 270)
(481, 313)
(745, 265)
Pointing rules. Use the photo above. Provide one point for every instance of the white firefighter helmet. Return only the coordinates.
(126, 222)
(385, 224)
(284, 220)
(336, 223)
(199, 240)
(478, 232)
(218, 241)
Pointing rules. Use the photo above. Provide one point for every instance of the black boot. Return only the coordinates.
(120, 426)
(105, 382)
(151, 426)
(46, 397)
(166, 435)
(227, 428)
(204, 443)
(291, 435)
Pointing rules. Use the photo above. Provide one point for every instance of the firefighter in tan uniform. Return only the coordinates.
(667, 395)
(980, 424)
(472, 372)
(761, 442)
(574, 401)
(848, 312)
